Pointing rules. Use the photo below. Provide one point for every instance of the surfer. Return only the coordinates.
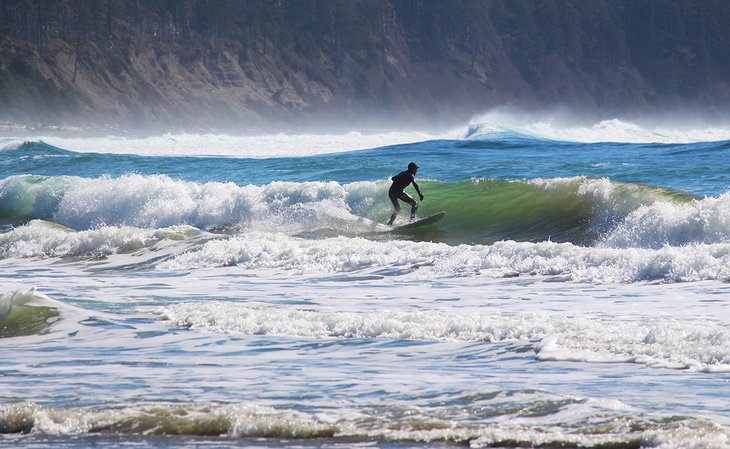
(400, 182)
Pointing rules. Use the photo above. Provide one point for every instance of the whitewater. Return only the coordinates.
(197, 290)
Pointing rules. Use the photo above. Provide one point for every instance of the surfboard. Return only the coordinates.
(422, 221)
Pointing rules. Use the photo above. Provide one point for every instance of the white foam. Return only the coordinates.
(685, 434)
(253, 146)
(393, 423)
(230, 420)
(11, 143)
(419, 260)
(257, 250)
(639, 216)
(158, 201)
(655, 342)
(43, 239)
(232, 318)
(666, 223)
(425, 260)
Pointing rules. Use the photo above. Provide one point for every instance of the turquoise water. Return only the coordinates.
(697, 168)
(157, 293)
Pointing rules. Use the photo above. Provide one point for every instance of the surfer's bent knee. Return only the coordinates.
(394, 200)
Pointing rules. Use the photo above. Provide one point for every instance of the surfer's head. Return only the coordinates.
(412, 167)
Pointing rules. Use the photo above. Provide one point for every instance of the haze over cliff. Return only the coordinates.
(260, 64)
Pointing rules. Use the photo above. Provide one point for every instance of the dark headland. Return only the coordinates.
(243, 65)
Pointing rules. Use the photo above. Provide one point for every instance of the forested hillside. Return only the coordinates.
(246, 64)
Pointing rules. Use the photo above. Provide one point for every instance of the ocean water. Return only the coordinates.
(220, 291)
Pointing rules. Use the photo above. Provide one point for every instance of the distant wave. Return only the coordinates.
(29, 148)
(253, 146)
(605, 131)
(311, 144)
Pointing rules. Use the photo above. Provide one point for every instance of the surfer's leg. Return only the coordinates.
(414, 205)
(394, 200)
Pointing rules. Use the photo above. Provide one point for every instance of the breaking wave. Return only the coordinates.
(582, 211)
(584, 229)
(613, 130)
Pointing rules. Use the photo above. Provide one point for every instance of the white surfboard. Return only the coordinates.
(422, 221)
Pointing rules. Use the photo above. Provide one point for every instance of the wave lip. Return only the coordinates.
(579, 210)
(607, 131)
(12, 144)
(24, 313)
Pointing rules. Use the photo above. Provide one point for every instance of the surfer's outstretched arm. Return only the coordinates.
(418, 190)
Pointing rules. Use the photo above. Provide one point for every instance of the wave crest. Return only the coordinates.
(26, 312)
(158, 201)
(495, 126)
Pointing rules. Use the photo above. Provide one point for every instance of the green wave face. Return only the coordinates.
(27, 320)
(572, 210)
(27, 197)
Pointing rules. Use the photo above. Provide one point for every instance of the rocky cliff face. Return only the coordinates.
(162, 87)
(137, 79)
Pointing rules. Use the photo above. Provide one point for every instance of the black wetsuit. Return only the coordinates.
(400, 182)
